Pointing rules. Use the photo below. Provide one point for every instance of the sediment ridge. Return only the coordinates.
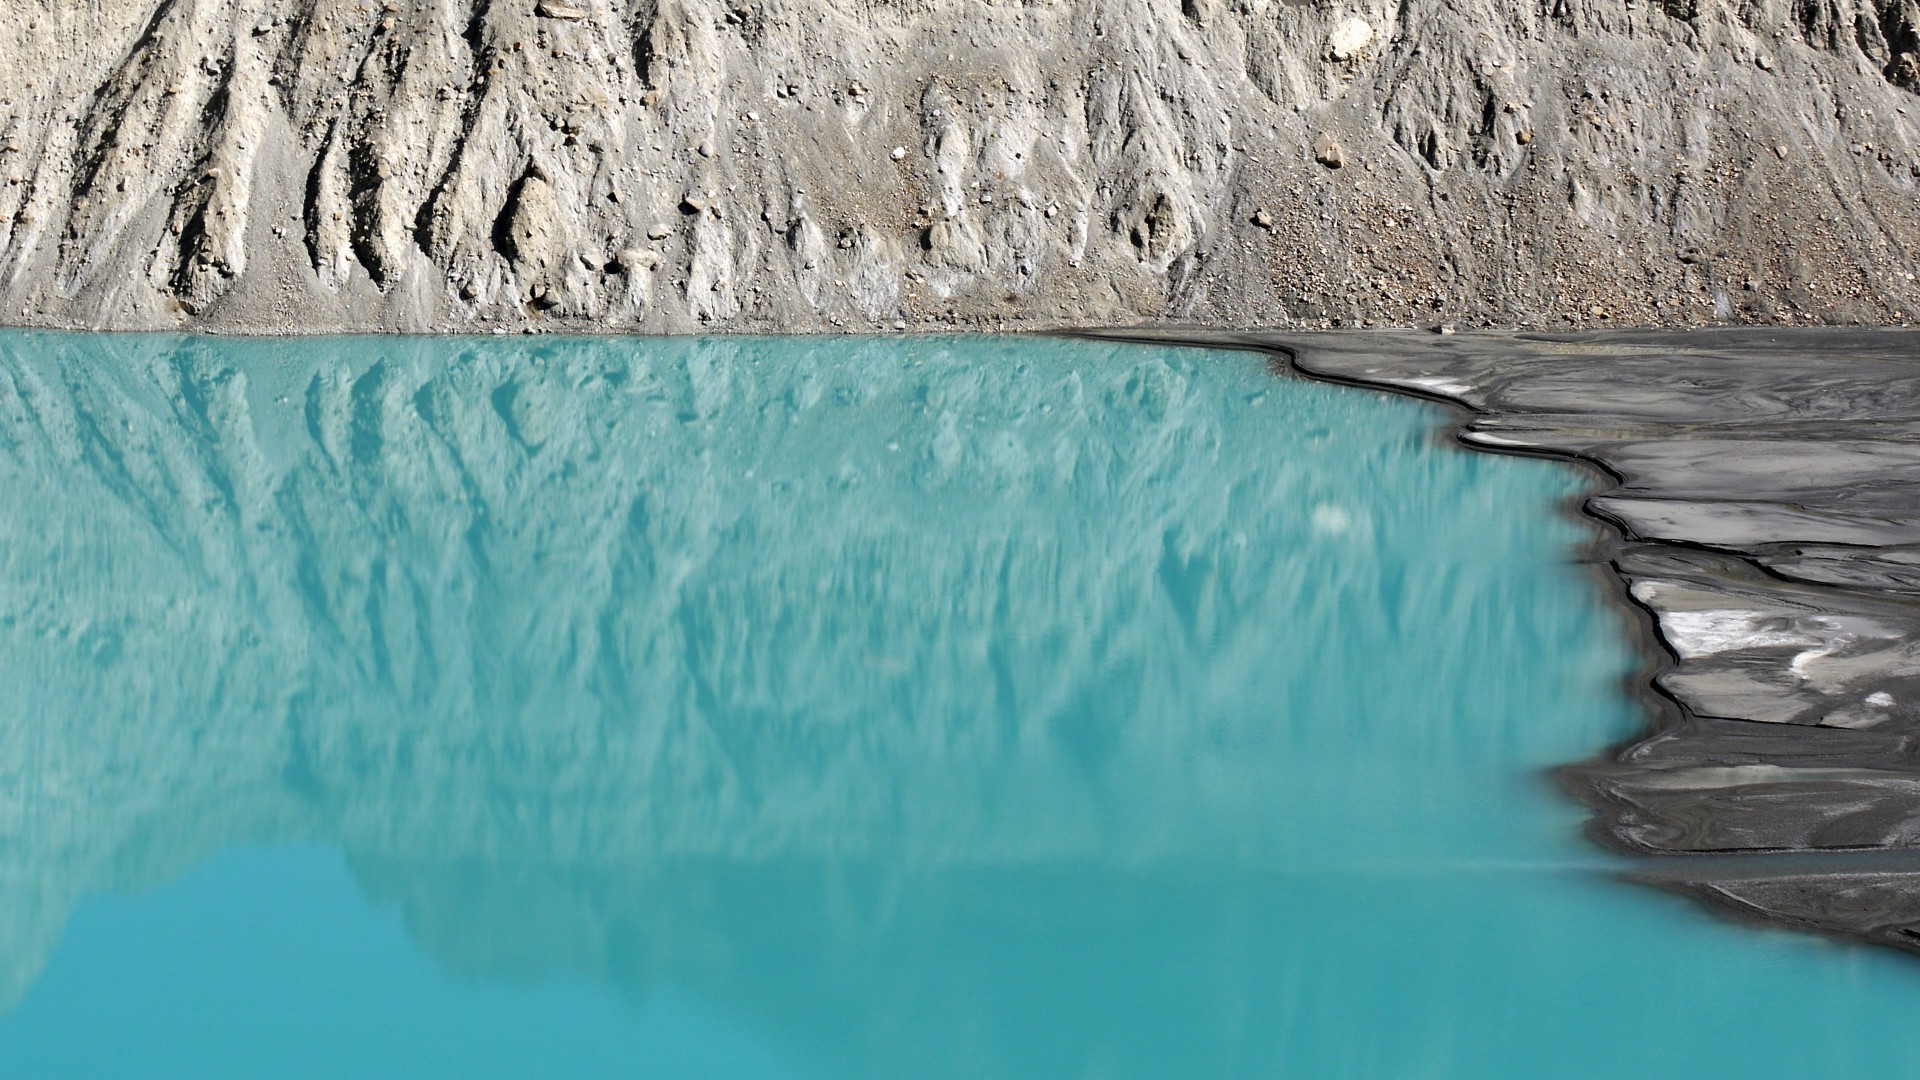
(281, 166)
(1764, 516)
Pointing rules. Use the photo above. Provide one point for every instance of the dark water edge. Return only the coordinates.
(1761, 502)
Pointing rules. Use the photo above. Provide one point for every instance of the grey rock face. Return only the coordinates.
(668, 165)
(1767, 509)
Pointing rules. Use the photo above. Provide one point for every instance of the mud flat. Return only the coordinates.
(1764, 516)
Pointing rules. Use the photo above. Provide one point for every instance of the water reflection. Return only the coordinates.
(944, 707)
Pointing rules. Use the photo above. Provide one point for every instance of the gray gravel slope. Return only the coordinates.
(681, 165)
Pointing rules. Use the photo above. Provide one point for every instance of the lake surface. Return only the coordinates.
(820, 708)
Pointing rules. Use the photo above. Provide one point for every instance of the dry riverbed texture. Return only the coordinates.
(1765, 517)
(681, 165)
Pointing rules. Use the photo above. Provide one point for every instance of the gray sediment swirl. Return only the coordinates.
(1764, 515)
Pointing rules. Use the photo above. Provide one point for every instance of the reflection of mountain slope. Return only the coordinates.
(568, 615)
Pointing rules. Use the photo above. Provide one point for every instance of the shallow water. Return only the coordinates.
(818, 708)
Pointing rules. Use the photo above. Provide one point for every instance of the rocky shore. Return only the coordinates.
(281, 166)
(1763, 515)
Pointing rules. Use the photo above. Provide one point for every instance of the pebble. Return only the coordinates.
(633, 260)
(1350, 38)
(1263, 219)
(899, 153)
(1327, 152)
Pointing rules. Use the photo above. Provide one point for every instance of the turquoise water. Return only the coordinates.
(820, 708)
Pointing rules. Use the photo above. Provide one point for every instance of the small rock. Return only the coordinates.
(1765, 62)
(551, 9)
(1263, 219)
(899, 153)
(635, 260)
(692, 204)
(1350, 39)
(1523, 137)
(1327, 152)
(1444, 329)
(659, 232)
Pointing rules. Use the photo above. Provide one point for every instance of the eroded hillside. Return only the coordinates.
(684, 164)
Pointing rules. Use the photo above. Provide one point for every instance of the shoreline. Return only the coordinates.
(1782, 756)
(1778, 625)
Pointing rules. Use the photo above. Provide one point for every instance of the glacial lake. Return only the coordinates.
(821, 708)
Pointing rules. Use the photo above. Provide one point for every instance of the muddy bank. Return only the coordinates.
(282, 166)
(1765, 518)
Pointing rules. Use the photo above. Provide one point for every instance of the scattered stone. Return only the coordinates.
(659, 232)
(899, 153)
(636, 260)
(1350, 39)
(1263, 219)
(1326, 151)
(552, 9)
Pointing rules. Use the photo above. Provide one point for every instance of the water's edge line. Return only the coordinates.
(1693, 874)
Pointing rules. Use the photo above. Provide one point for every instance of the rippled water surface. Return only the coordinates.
(819, 708)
